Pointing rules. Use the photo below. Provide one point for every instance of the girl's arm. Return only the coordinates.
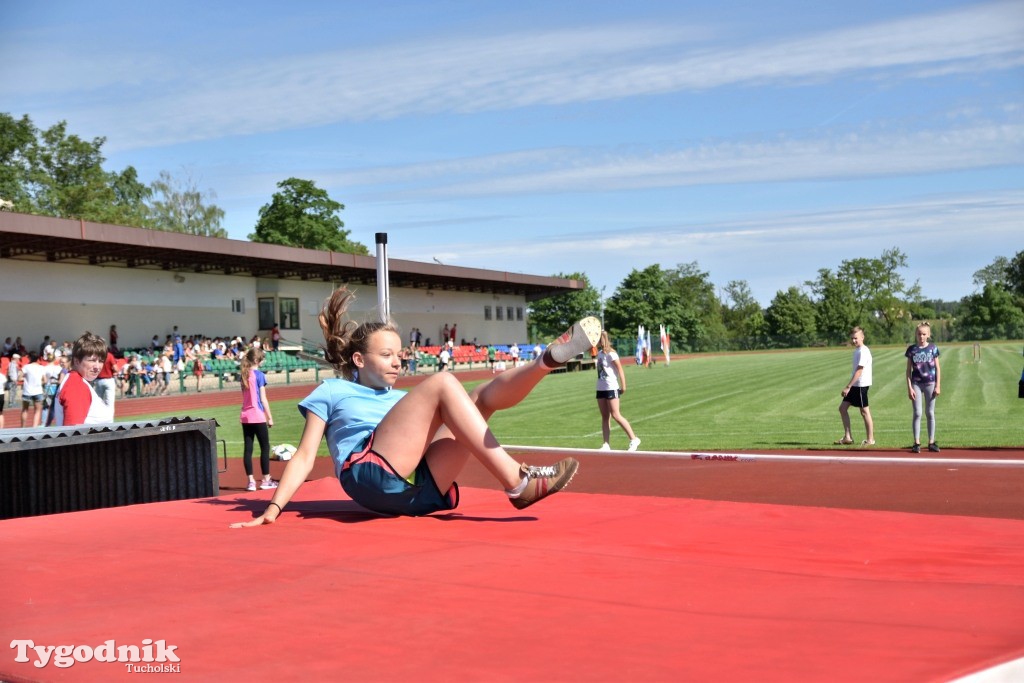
(266, 407)
(938, 376)
(910, 383)
(622, 376)
(295, 472)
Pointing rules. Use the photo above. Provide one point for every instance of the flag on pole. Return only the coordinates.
(649, 349)
(664, 343)
(640, 345)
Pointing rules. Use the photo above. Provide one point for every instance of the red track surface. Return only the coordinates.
(931, 489)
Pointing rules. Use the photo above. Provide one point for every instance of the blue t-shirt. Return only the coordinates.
(923, 360)
(351, 412)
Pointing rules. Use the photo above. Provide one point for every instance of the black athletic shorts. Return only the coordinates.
(857, 396)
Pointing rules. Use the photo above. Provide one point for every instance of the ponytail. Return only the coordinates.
(253, 357)
(343, 337)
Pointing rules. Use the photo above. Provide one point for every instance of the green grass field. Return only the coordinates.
(763, 401)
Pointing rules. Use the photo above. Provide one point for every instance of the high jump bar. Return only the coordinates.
(773, 457)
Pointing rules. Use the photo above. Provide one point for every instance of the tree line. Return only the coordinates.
(868, 292)
(53, 172)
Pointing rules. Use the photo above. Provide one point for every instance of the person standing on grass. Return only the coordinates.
(924, 379)
(399, 453)
(611, 384)
(256, 418)
(855, 393)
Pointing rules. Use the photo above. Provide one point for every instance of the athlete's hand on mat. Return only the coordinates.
(259, 521)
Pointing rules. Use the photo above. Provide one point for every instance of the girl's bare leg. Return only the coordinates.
(408, 432)
(617, 416)
(606, 430)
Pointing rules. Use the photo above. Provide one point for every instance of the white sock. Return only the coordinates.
(515, 493)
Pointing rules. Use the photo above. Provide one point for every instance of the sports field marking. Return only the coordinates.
(773, 457)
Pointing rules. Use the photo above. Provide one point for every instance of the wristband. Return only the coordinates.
(279, 508)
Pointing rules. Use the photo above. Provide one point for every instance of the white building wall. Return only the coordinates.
(40, 298)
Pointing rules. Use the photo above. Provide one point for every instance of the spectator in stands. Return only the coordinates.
(55, 371)
(179, 350)
(444, 334)
(106, 385)
(443, 358)
(255, 417)
(275, 337)
(165, 367)
(514, 352)
(13, 378)
(8, 347)
(414, 359)
(198, 368)
(611, 384)
(3, 393)
(33, 376)
(112, 340)
(154, 344)
(399, 453)
(451, 335)
(404, 357)
(78, 403)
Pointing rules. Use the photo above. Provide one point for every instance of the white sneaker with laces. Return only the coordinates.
(605, 447)
(633, 444)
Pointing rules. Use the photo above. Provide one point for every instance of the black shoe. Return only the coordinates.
(934, 447)
(916, 448)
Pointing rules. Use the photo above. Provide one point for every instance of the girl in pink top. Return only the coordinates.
(256, 418)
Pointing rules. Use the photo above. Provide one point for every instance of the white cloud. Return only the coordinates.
(154, 105)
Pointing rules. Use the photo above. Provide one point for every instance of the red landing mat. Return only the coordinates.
(581, 587)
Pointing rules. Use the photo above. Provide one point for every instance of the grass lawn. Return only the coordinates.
(743, 401)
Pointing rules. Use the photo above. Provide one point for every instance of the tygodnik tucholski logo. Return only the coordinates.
(152, 656)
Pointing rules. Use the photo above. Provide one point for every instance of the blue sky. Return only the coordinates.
(762, 140)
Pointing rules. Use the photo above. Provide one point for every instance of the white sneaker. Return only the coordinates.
(604, 447)
(633, 444)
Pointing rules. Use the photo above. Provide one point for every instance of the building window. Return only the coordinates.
(289, 318)
(487, 312)
(266, 306)
(499, 311)
(238, 305)
(519, 313)
(509, 314)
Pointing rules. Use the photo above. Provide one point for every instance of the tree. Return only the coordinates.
(882, 296)
(16, 139)
(303, 215)
(791, 318)
(696, 296)
(1015, 274)
(646, 298)
(742, 316)
(54, 173)
(553, 315)
(994, 273)
(992, 314)
(179, 206)
(836, 311)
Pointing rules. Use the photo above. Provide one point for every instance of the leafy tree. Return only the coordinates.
(700, 304)
(994, 273)
(303, 215)
(1015, 274)
(791, 318)
(56, 174)
(645, 297)
(883, 297)
(992, 314)
(553, 315)
(836, 312)
(16, 139)
(742, 316)
(180, 206)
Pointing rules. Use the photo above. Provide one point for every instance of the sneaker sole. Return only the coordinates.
(519, 504)
(584, 335)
